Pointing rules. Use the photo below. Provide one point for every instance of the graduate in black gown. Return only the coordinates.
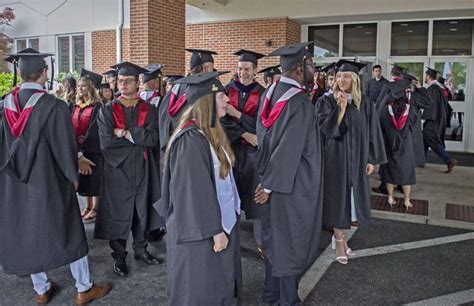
(239, 125)
(418, 99)
(105, 93)
(319, 84)
(271, 75)
(128, 131)
(84, 115)
(40, 222)
(353, 146)
(397, 118)
(111, 78)
(290, 165)
(200, 202)
(151, 84)
(434, 127)
(174, 103)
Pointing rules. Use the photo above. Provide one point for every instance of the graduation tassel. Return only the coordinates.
(214, 110)
(15, 78)
(50, 87)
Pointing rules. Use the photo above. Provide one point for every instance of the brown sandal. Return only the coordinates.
(85, 212)
(90, 217)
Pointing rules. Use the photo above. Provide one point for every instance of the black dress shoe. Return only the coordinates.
(149, 259)
(156, 235)
(120, 267)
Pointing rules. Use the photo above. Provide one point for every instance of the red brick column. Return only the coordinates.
(157, 33)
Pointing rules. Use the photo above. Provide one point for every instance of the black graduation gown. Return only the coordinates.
(245, 169)
(348, 148)
(399, 146)
(167, 123)
(130, 182)
(196, 274)
(434, 127)
(89, 145)
(419, 101)
(40, 222)
(290, 163)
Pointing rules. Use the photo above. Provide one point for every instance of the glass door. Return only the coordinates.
(455, 76)
(415, 66)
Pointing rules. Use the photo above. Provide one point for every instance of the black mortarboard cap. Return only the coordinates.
(28, 60)
(95, 78)
(153, 71)
(206, 55)
(349, 66)
(270, 71)
(291, 54)
(202, 84)
(127, 69)
(195, 59)
(432, 72)
(318, 68)
(111, 73)
(105, 85)
(248, 56)
(172, 78)
(441, 80)
(410, 77)
(331, 68)
(397, 70)
(397, 88)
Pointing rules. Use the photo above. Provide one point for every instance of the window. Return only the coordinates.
(409, 38)
(20, 44)
(326, 40)
(359, 39)
(452, 37)
(70, 53)
(33, 43)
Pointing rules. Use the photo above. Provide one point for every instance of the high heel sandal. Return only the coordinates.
(392, 202)
(340, 259)
(349, 251)
(407, 204)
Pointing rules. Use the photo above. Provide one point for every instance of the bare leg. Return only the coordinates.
(391, 201)
(88, 208)
(341, 256)
(407, 193)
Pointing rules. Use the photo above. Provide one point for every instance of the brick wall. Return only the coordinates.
(157, 29)
(228, 37)
(104, 49)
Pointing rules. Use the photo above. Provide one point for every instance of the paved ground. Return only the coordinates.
(396, 262)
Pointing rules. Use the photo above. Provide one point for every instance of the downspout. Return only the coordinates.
(119, 30)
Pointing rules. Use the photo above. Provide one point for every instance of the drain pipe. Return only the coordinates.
(118, 32)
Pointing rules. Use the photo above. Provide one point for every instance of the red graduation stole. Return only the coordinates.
(119, 116)
(268, 116)
(402, 119)
(81, 121)
(17, 118)
(251, 106)
(176, 103)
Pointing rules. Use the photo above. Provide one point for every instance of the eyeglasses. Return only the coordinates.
(126, 81)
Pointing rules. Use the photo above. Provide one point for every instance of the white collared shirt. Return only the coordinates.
(31, 85)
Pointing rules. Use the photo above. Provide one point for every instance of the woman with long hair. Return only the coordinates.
(397, 120)
(353, 146)
(67, 91)
(84, 119)
(200, 201)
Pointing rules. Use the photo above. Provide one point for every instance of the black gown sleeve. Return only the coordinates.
(377, 155)
(283, 162)
(147, 136)
(115, 150)
(327, 112)
(193, 192)
(60, 136)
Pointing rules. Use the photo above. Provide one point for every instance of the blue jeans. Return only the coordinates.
(79, 270)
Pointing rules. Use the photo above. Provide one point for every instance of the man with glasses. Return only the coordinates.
(128, 131)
